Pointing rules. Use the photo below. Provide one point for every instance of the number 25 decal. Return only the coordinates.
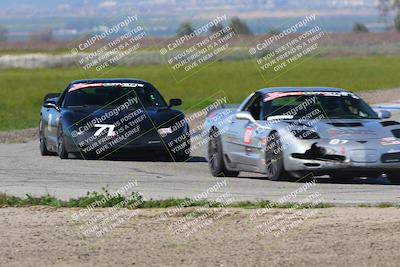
(338, 142)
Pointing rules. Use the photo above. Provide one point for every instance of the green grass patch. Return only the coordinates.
(105, 200)
(22, 91)
(379, 205)
(135, 198)
(261, 204)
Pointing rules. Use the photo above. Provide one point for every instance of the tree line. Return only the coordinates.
(236, 24)
(385, 7)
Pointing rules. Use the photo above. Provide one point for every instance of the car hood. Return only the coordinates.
(348, 129)
(76, 118)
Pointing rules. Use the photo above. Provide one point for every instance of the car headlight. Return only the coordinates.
(164, 131)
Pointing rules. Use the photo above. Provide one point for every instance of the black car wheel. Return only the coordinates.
(42, 141)
(274, 158)
(394, 178)
(215, 157)
(61, 149)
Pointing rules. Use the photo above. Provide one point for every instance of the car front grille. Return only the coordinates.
(390, 157)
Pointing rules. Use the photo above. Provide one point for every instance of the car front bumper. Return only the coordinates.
(323, 157)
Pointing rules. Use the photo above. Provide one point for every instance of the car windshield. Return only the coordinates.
(113, 95)
(332, 105)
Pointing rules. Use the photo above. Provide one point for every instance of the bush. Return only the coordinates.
(240, 27)
(3, 33)
(42, 36)
(359, 27)
(185, 28)
(397, 22)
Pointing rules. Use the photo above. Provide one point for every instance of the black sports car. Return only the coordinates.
(108, 117)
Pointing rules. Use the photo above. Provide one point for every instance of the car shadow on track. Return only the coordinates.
(326, 180)
(350, 180)
(145, 158)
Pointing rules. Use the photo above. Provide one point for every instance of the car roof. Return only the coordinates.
(300, 89)
(113, 80)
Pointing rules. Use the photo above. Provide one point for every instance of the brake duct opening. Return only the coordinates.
(318, 153)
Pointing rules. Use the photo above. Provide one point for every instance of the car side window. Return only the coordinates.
(60, 102)
(254, 106)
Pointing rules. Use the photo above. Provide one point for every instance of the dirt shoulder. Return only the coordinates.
(41, 236)
(19, 136)
(381, 96)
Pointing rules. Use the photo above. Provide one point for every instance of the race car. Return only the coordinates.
(100, 118)
(292, 132)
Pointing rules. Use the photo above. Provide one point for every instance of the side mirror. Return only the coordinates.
(175, 102)
(384, 114)
(51, 95)
(51, 104)
(245, 115)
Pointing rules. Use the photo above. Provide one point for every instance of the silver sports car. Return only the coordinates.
(291, 132)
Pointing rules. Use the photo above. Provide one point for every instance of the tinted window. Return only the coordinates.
(332, 107)
(113, 96)
(254, 106)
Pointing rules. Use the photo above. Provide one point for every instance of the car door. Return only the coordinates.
(243, 143)
(51, 117)
(44, 124)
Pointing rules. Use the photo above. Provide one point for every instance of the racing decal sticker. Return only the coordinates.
(89, 85)
(103, 127)
(338, 142)
(343, 151)
(389, 141)
(248, 134)
(349, 132)
(84, 85)
(275, 95)
(264, 141)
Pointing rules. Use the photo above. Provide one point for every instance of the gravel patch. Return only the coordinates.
(380, 96)
(43, 236)
(19, 136)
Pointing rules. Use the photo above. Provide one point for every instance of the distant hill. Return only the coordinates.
(71, 18)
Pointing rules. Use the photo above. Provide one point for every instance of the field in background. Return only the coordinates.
(22, 91)
(335, 39)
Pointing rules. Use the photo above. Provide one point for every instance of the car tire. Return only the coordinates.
(216, 162)
(61, 149)
(394, 178)
(274, 159)
(42, 142)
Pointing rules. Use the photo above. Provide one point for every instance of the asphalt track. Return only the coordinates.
(24, 171)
